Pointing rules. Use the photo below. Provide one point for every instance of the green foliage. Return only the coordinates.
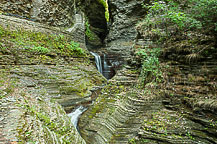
(150, 71)
(132, 141)
(190, 136)
(40, 49)
(40, 43)
(88, 32)
(213, 123)
(169, 17)
(206, 12)
(75, 48)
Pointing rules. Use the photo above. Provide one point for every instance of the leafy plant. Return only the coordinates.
(206, 12)
(164, 14)
(189, 135)
(40, 49)
(88, 32)
(75, 47)
(132, 141)
(150, 71)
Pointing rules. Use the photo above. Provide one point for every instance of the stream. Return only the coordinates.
(74, 115)
(107, 66)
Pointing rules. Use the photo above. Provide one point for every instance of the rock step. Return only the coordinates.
(119, 126)
(116, 122)
(124, 82)
(109, 125)
(135, 103)
(100, 139)
(104, 134)
(125, 109)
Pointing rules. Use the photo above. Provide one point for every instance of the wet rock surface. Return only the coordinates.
(114, 116)
(68, 84)
(110, 63)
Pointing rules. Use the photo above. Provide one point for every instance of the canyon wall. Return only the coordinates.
(51, 12)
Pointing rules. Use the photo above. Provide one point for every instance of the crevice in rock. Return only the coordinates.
(96, 23)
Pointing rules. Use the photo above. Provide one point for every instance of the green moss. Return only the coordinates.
(43, 116)
(109, 94)
(39, 43)
(105, 4)
(7, 86)
(79, 87)
(40, 49)
(162, 124)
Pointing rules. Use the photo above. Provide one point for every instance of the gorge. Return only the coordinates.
(108, 72)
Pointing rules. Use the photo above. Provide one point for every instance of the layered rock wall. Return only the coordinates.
(124, 14)
(29, 111)
(76, 33)
(51, 12)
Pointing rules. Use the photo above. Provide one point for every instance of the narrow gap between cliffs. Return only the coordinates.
(97, 28)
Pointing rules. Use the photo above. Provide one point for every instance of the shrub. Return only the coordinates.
(39, 43)
(169, 17)
(150, 71)
(206, 12)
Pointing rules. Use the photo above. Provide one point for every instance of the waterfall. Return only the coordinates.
(75, 115)
(97, 61)
(107, 64)
(106, 68)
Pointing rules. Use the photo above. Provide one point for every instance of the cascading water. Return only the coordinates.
(106, 68)
(98, 61)
(107, 65)
(75, 115)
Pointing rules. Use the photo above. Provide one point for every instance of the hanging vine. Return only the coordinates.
(106, 6)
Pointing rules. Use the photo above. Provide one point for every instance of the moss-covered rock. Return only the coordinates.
(49, 69)
(30, 117)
